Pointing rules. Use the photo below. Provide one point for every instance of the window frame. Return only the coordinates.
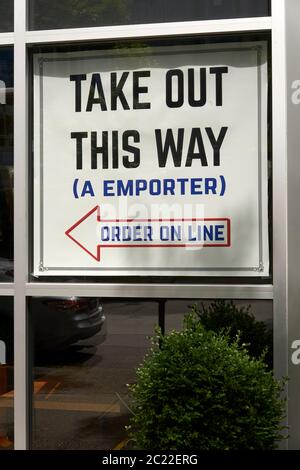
(21, 288)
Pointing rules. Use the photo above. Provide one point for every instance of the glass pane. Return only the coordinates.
(86, 13)
(6, 164)
(6, 16)
(85, 354)
(6, 374)
(252, 318)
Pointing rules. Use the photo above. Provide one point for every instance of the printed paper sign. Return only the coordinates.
(151, 161)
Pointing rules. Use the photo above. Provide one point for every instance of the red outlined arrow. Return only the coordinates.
(95, 212)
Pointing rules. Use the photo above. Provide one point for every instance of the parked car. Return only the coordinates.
(56, 322)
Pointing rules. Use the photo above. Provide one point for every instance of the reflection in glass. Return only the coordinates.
(6, 165)
(6, 374)
(84, 357)
(87, 13)
(6, 16)
(176, 309)
(251, 320)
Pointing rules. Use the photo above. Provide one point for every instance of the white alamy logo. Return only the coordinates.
(2, 352)
(295, 358)
(296, 93)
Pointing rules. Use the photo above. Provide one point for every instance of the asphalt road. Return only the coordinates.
(81, 396)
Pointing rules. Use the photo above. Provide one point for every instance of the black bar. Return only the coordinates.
(161, 315)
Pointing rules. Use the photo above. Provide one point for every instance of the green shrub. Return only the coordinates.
(239, 322)
(196, 391)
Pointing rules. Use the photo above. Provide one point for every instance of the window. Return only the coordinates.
(6, 16)
(87, 13)
(86, 353)
(6, 164)
(6, 373)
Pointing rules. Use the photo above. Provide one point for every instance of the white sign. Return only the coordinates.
(151, 161)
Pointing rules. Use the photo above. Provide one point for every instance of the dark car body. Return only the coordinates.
(56, 322)
(61, 321)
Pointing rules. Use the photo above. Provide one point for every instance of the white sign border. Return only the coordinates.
(262, 268)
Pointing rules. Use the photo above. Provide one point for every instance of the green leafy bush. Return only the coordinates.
(239, 322)
(197, 391)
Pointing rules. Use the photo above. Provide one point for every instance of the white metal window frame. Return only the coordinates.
(22, 288)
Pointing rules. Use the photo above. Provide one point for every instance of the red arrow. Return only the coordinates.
(95, 212)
